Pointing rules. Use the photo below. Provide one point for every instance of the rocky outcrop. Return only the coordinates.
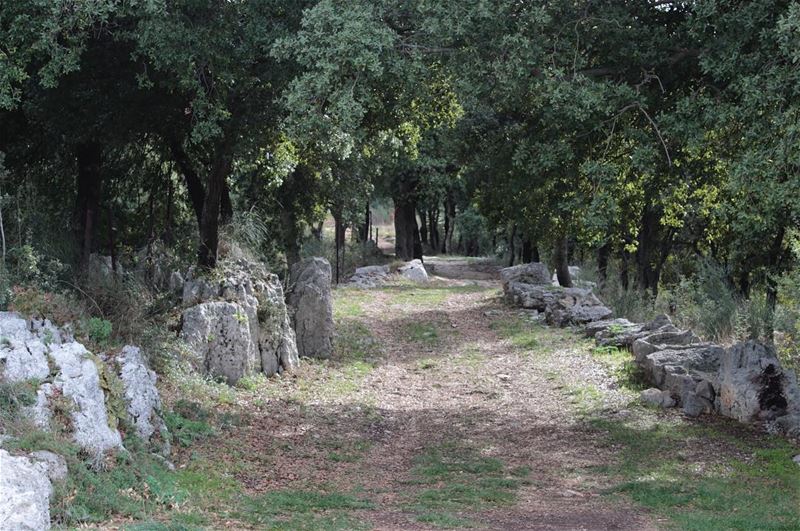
(237, 323)
(413, 270)
(745, 381)
(369, 276)
(535, 273)
(575, 306)
(142, 401)
(26, 490)
(79, 392)
(311, 307)
(529, 286)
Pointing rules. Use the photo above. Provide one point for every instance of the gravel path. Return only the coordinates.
(466, 386)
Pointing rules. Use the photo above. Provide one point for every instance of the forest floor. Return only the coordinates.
(445, 408)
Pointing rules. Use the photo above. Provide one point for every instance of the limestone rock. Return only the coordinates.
(530, 296)
(54, 465)
(753, 385)
(414, 270)
(657, 397)
(239, 323)
(312, 307)
(369, 276)
(78, 381)
(694, 405)
(219, 332)
(22, 354)
(534, 273)
(575, 306)
(142, 401)
(26, 491)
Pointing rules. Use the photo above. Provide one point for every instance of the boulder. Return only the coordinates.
(142, 401)
(753, 385)
(219, 333)
(657, 397)
(575, 306)
(238, 323)
(679, 370)
(54, 465)
(534, 273)
(694, 405)
(369, 276)
(530, 296)
(26, 491)
(78, 383)
(626, 336)
(23, 355)
(414, 270)
(312, 307)
(615, 326)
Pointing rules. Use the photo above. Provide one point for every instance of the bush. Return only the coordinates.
(99, 330)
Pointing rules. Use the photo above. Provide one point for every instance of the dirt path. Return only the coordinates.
(434, 383)
(444, 408)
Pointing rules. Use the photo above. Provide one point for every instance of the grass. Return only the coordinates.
(300, 509)
(521, 332)
(421, 332)
(349, 302)
(664, 468)
(622, 366)
(430, 296)
(457, 479)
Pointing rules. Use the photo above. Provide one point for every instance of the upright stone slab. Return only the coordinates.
(312, 307)
(25, 491)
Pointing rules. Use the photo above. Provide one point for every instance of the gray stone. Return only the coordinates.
(369, 276)
(261, 338)
(414, 270)
(22, 354)
(694, 406)
(613, 326)
(40, 412)
(530, 296)
(705, 389)
(657, 397)
(312, 307)
(796, 459)
(575, 306)
(219, 332)
(26, 491)
(142, 401)
(534, 273)
(79, 382)
(54, 465)
(753, 385)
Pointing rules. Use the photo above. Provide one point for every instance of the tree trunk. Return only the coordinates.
(365, 228)
(527, 251)
(226, 207)
(511, 248)
(316, 231)
(624, 275)
(404, 225)
(89, 156)
(560, 262)
(423, 228)
(449, 222)
(168, 236)
(194, 185)
(433, 229)
(209, 225)
(602, 264)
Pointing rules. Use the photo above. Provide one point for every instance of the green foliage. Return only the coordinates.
(188, 422)
(458, 478)
(99, 330)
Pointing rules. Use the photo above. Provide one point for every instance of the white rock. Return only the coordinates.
(312, 307)
(22, 354)
(142, 401)
(54, 465)
(25, 494)
(79, 381)
(414, 270)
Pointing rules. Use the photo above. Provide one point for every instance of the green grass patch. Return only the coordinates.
(621, 363)
(759, 492)
(188, 422)
(521, 332)
(421, 332)
(355, 342)
(349, 302)
(456, 479)
(428, 296)
(292, 509)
